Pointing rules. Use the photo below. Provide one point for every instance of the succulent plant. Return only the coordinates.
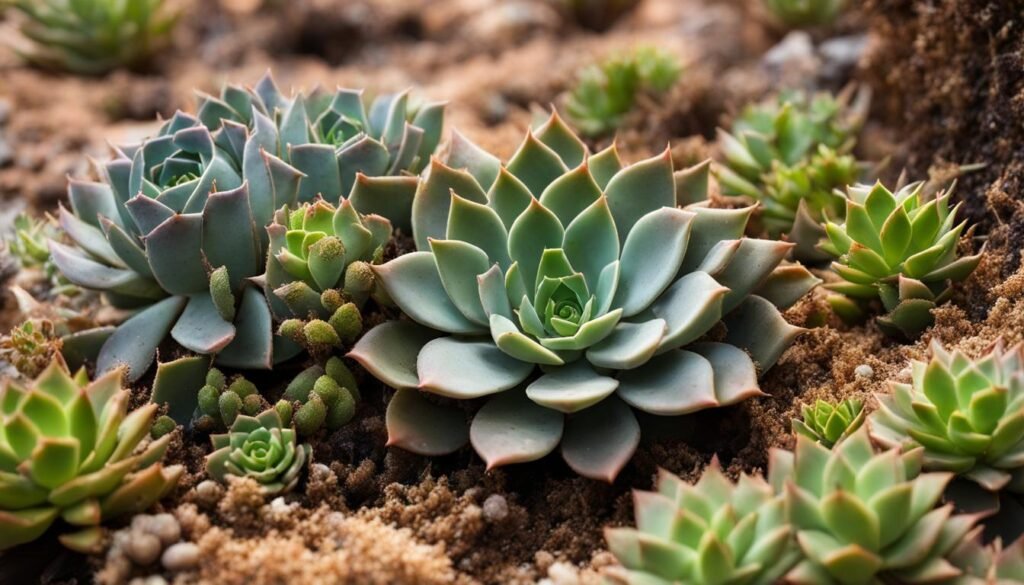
(714, 532)
(174, 231)
(588, 269)
(345, 149)
(320, 397)
(92, 37)
(221, 401)
(791, 154)
(597, 15)
(606, 91)
(31, 346)
(967, 415)
(28, 245)
(988, 565)
(805, 13)
(864, 518)
(261, 448)
(829, 423)
(318, 271)
(900, 248)
(70, 449)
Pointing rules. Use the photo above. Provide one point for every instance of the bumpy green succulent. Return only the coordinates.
(829, 423)
(805, 13)
(711, 533)
(597, 15)
(589, 270)
(791, 154)
(175, 229)
(92, 37)
(320, 397)
(968, 415)
(318, 271)
(988, 565)
(607, 91)
(345, 149)
(898, 247)
(70, 449)
(31, 346)
(221, 401)
(863, 518)
(259, 448)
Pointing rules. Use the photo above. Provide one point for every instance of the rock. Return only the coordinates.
(209, 492)
(495, 508)
(143, 548)
(182, 556)
(166, 528)
(562, 573)
(864, 371)
(793, 62)
(839, 55)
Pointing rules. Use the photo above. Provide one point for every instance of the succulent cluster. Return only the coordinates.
(320, 397)
(261, 448)
(791, 154)
(31, 346)
(221, 401)
(586, 269)
(70, 449)
(828, 423)
(344, 148)
(805, 13)
(606, 91)
(597, 15)
(988, 565)
(710, 533)
(862, 518)
(899, 248)
(967, 415)
(92, 37)
(29, 246)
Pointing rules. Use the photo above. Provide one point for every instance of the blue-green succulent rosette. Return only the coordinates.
(567, 289)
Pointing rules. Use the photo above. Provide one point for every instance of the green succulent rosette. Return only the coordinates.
(863, 518)
(70, 450)
(586, 270)
(991, 564)
(791, 155)
(260, 448)
(174, 231)
(710, 533)
(829, 423)
(900, 248)
(805, 13)
(967, 415)
(92, 37)
(369, 154)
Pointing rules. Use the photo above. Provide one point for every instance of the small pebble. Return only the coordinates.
(864, 371)
(495, 508)
(143, 549)
(166, 528)
(209, 492)
(562, 573)
(181, 557)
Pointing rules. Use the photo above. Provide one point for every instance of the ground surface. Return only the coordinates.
(948, 83)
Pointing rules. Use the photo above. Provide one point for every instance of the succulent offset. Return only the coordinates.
(261, 448)
(69, 449)
(791, 154)
(864, 518)
(345, 149)
(573, 264)
(991, 564)
(967, 415)
(829, 423)
(28, 245)
(900, 248)
(30, 347)
(92, 37)
(221, 401)
(320, 397)
(605, 92)
(805, 13)
(174, 231)
(710, 533)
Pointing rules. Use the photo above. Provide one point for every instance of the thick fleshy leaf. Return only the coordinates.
(735, 375)
(423, 427)
(786, 285)
(757, 327)
(93, 275)
(651, 256)
(479, 225)
(253, 346)
(468, 369)
(516, 344)
(536, 230)
(710, 227)
(559, 137)
(509, 197)
(673, 383)
(639, 189)
(493, 294)
(389, 352)
(229, 235)
(464, 154)
(433, 199)
(600, 440)
(175, 254)
(536, 165)
(570, 194)
(389, 197)
(200, 327)
(320, 165)
(512, 429)
(690, 308)
(630, 345)
(591, 242)
(571, 388)
(171, 380)
(413, 283)
(458, 264)
(134, 343)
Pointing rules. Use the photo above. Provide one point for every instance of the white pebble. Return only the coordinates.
(143, 549)
(495, 508)
(864, 371)
(181, 557)
(166, 528)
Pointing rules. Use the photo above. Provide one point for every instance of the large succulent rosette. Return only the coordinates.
(569, 289)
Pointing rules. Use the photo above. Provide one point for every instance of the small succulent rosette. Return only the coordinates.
(863, 518)
(710, 533)
(369, 154)
(71, 450)
(899, 248)
(260, 448)
(991, 564)
(967, 415)
(791, 154)
(568, 289)
(829, 423)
